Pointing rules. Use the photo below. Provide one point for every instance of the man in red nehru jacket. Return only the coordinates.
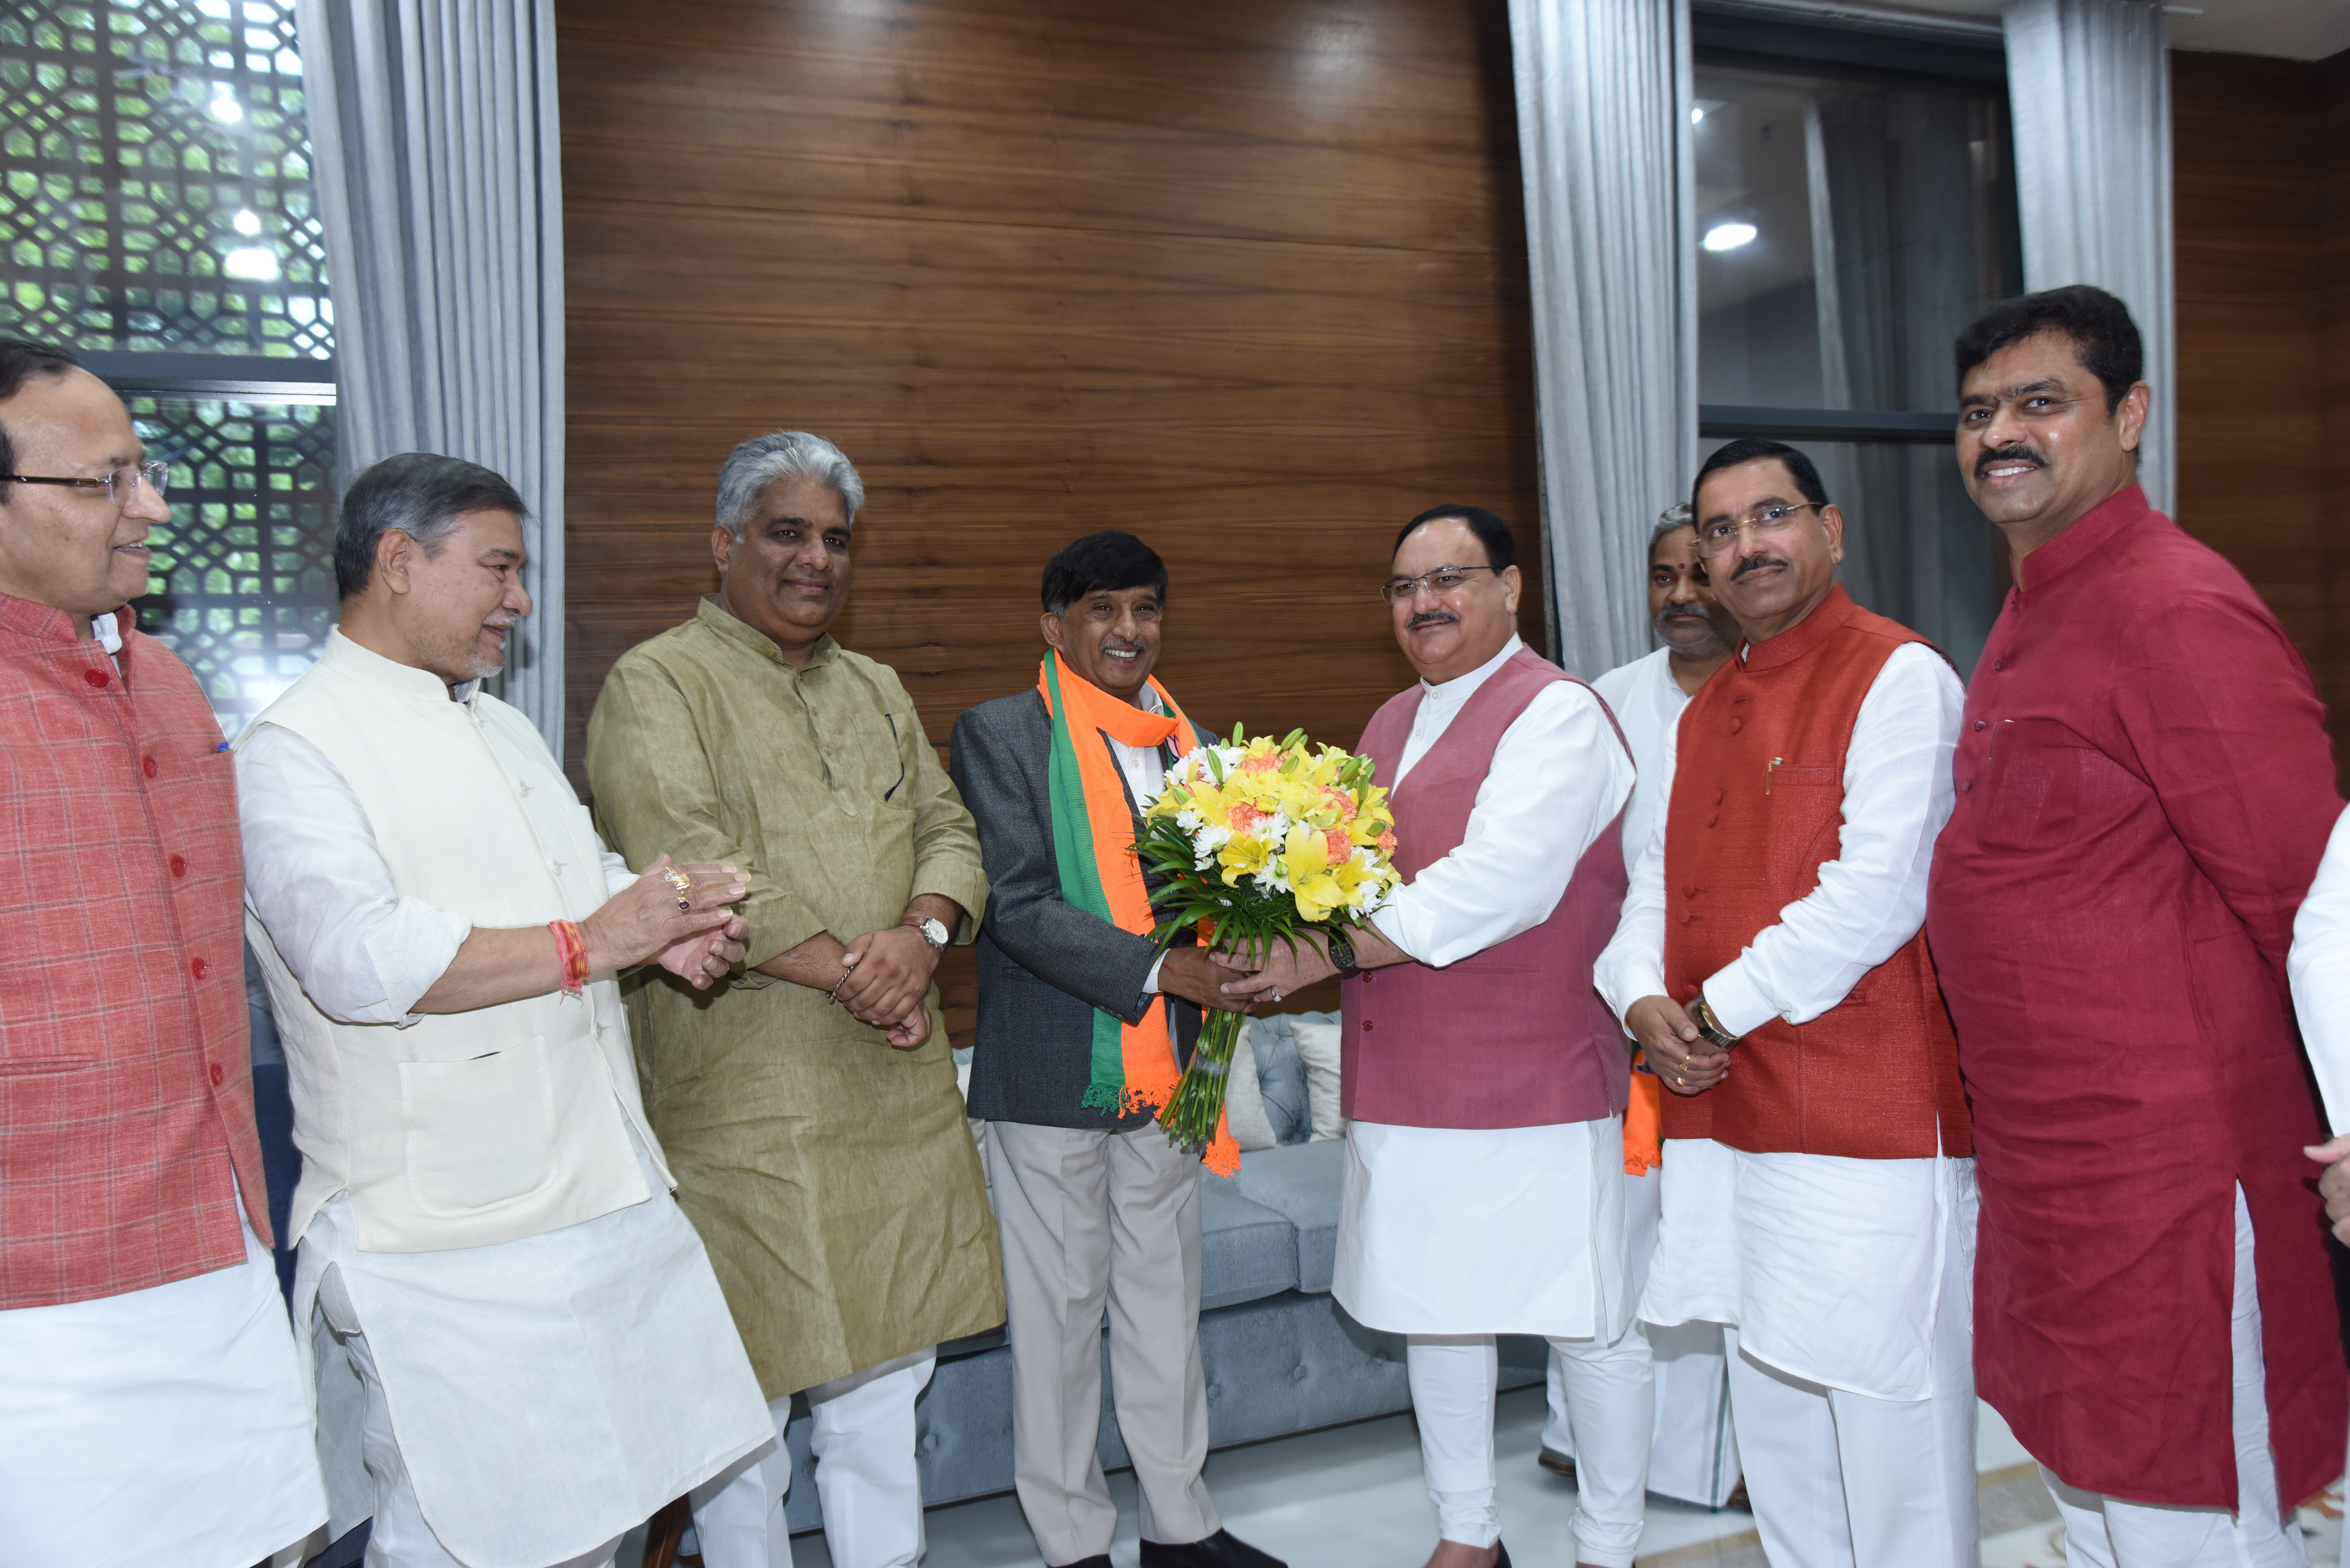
(1484, 1082)
(1819, 1198)
(151, 1410)
(2144, 794)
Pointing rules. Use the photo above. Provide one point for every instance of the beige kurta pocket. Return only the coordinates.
(480, 1131)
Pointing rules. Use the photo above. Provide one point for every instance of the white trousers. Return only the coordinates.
(1841, 1481)
(865, 1477)
(1687, 1458)
(1452, 1380)
(2111, 1533)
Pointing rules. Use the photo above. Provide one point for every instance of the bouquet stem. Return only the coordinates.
(1198, 1103)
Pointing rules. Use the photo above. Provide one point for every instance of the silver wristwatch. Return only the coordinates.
(934, 932)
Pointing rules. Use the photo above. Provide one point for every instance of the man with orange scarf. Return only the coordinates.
(1084, 1026)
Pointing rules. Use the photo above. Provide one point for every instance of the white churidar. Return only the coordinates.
(1843, 1480)
(1871, 899)
(1452, 1377)
(2088, 88)
(437, 152)
(1691, 1455)
(2111, 1533)
(2320, 969)
(167, 1425)
(1603, 98)
(867, 1477)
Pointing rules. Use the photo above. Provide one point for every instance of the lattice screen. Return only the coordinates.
(156, 156)
(244, 580)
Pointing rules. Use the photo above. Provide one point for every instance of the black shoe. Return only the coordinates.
(1503, 1560)
(1098, 1560)
(1558, 1464)
(1221, 1549)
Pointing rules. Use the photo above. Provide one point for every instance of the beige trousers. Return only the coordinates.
(1092, 1219)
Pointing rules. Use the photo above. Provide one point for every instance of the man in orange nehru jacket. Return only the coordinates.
(1819, 1196)
(2145, 790)
(1690, 1457)
(1484, 1083)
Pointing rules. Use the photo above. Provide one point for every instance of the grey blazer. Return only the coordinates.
(1044, 966)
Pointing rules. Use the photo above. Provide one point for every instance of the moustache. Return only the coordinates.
(1754, 563)
(2014, 453)
(1688, 612)
(1432, 618)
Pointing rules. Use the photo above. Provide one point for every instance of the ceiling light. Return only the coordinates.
(247, 220)
(254, 264)
(226, 109)
(1697, 115)
(1727, 236)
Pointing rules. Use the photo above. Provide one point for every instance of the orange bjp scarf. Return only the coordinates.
(1093, 844)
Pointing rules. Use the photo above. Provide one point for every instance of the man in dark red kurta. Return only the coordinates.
(2144, 790)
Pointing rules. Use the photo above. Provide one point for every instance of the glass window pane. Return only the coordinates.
(244, 583)
(1849, 230)
(155, 157)
(1914, 546)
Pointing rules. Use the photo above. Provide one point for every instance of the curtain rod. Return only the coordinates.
(1859, 11)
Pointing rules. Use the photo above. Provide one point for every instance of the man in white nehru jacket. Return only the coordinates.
(487, 1231)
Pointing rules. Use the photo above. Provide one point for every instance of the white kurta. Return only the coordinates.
(1508, 1231)
(167, 1425)
(1648, 702)
(2320, 971)
(1830, 1268)
(593, 1369)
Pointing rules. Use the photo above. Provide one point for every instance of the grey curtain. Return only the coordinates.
(1603, 90)
(438, 159)
(2089, 90)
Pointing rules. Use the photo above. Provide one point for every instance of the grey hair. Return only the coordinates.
(1670, 521)
(758, 462)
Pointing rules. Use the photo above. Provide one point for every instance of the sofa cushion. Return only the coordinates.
(1299, 1182)
(1281, 1078)
(1246, 1251)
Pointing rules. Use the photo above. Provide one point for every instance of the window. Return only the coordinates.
(160, 222)
(1855, 209)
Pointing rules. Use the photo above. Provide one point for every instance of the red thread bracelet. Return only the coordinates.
(572, 949)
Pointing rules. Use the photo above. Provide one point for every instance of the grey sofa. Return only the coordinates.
(1281, 1356)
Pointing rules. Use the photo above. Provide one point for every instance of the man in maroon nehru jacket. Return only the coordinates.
(2143, 793)
(1484, 1082)
(1819, 1198)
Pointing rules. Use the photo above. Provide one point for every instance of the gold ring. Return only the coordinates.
(677, 880)
(1680, 1080)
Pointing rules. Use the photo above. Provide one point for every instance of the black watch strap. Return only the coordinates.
(1342, 953)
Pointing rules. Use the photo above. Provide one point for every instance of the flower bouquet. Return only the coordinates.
(1258, 841)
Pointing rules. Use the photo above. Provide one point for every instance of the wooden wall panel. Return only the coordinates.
(1247, 279)
(2251, 375)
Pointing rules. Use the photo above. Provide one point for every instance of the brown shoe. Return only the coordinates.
(1558, 1464)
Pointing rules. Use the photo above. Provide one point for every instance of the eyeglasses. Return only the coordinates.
(1443, 580)
(1719, 534)
(121, 485)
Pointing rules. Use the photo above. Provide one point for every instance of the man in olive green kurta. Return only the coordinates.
(819, 1146)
